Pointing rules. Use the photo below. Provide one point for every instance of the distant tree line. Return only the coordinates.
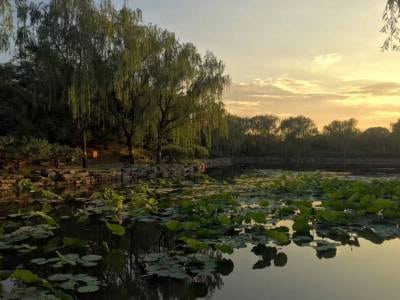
(298, 137)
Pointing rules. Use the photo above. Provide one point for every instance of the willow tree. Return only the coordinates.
(187, 89)
(63, 40)
(391, 26)
(207, 89)
(174, 70)
(6, 24)
(128, 81)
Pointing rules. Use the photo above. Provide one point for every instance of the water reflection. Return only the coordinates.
(125, 277)
(124, 274)
(269, 255)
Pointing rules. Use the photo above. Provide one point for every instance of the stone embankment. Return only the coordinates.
(75, 177)
(65, 177)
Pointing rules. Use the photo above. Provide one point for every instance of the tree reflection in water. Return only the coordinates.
(269, 255)
(125, 277)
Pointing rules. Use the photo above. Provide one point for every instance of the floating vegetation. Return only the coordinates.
(187, 231)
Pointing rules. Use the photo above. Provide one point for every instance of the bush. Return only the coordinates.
(200, 152)
(175, 152)
(65, 153)
(5, 142)
(33, 149)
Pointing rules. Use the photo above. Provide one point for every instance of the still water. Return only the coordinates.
(361, 267)
(366, 272)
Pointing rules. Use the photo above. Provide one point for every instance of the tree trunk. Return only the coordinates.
(84, 156)
(158, 150)
(130, 149)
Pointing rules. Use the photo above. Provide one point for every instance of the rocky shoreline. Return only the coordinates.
(76, 177)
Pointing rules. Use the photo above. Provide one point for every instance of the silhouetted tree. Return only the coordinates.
(342, 134)
(296, 132)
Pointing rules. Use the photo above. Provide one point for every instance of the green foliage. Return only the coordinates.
(200, 151)
(194, 244)
(176, 152)
(301, 224)
(82, 283)
(258, 217)
(382, 204)
(286, 211)
(112, 198)
(74, 242)
(32, 149)
(36, 148)
(173, 225)
(27, 186)
(278, 236)
(264, 203)
(330, 216)
(116, 229)
(49, 220)
(70, 259)
(224, 248)
(65, 153)
(25, 276)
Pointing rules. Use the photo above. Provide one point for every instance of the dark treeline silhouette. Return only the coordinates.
(298, 137)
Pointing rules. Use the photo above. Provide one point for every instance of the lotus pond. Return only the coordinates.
(256, 235)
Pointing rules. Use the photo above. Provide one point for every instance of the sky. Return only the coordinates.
(319, 58)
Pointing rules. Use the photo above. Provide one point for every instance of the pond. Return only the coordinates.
(254, 234)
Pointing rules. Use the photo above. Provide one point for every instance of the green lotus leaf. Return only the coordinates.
(116, 229)
(92, 257)
(173, 225)
(25, 276)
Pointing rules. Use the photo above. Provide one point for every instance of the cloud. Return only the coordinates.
(325, 61)
(380, 89)
(242, 103)
(280, 90)
(372, 103)
(387, 114)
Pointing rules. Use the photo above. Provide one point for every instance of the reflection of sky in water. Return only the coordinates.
(368, 272)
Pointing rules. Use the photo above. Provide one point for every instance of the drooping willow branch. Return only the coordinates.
(391, 28)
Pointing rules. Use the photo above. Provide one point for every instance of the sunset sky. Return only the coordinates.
(320, 58)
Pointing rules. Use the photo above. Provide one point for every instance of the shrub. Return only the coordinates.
(175, 152)
(200, 152)
(65, 153)
(5, 142)
(35, 148)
